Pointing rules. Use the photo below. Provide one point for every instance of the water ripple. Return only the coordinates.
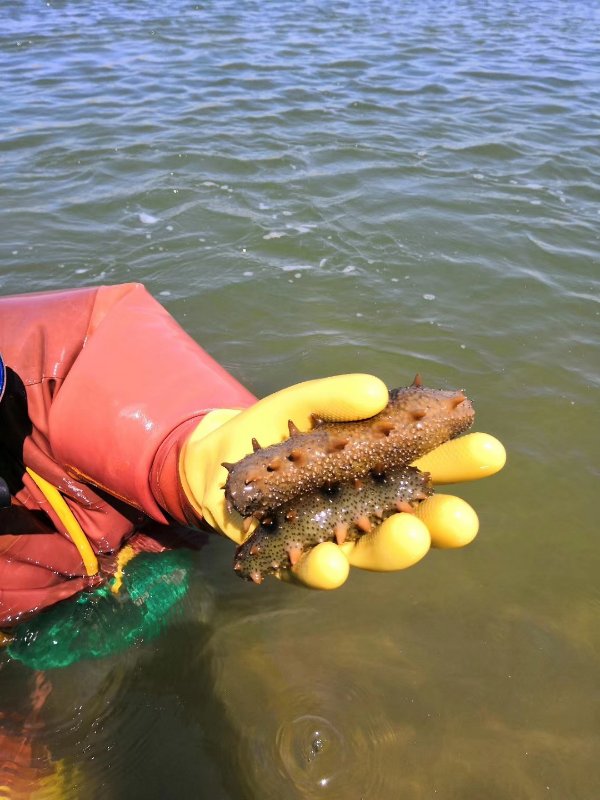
(317, 738)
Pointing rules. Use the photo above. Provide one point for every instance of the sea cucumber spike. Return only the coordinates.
(256, 576)
(357, 484)
(340, 532)
(253, 475)
(223, 486)
(246, 523)
(419, 496)
(275, 564)
(363, 523)
(384, 428)
(417, 414)
(274, 465)
(229, 465)
(418, 382)
(255, 550)
(457, 400)
(237, 566)
(293, 429)
(404, 507)
(317, 421)
(378, 469)
(255, 444)
(294, 552)
(291, 515)
(297, 456)
(336, 443)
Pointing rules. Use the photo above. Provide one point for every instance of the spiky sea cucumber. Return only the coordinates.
(334, 513)
(416, 420)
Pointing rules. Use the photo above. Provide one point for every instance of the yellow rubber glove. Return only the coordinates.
(400, 541)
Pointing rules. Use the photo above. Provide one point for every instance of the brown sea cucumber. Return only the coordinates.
(335, 513)
(416, 420)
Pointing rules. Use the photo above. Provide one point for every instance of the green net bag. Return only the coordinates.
(99, 623)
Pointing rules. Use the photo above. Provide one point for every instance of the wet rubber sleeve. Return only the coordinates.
(137, 387)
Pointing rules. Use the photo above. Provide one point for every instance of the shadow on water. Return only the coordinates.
(188, 735)
(309, 707)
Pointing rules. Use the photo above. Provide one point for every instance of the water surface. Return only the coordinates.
(311, 189)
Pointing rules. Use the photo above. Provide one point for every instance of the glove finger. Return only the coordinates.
(468, 458)
(340, 398)
(451, 521)
(218, 516)
(323, 567)
(397, 543)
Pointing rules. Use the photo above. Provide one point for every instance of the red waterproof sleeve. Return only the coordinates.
(138, 381)
(102, 388)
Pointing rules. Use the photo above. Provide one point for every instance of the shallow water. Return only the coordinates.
(312, 189)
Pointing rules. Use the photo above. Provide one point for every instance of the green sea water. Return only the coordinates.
(315, 188)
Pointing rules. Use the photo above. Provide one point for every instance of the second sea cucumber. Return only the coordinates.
(337, 513)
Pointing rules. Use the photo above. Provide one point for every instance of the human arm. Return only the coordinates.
(118, 393)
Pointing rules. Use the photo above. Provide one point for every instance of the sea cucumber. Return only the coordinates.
(415, 421)
(336, 513)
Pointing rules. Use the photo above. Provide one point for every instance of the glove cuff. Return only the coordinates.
(193, 455)
(165, 476)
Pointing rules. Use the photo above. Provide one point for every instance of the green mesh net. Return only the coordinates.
(99, 623)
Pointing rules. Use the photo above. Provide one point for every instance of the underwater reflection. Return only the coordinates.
(81, 725)
(22, 765)
(28, 768)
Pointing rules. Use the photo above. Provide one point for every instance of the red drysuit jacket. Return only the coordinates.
(103, 387)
